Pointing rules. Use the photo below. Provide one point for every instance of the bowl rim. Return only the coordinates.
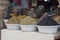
(12, 24)
(48, 26)
(28, 25)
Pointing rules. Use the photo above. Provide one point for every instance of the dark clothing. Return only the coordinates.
(54, 2)
(11, 1)
(39, 2)
(46, 6)
(49, 2)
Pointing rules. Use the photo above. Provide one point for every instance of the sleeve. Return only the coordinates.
(55, 2)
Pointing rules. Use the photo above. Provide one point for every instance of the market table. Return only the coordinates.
(20, 35)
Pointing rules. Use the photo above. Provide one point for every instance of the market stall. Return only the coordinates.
(30, 17)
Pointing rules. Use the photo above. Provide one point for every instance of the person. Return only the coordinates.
(54, 2)
(50, 6)
(39, 8)
(50, 3)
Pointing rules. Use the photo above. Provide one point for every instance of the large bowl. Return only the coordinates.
(29, 28)
(13, 26)
(48, 29)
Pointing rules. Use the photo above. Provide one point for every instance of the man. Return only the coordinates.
(47, 4)
(50, 6)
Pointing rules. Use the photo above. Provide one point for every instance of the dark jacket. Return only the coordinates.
(54, 2)
(49, 2)
(11, 1)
